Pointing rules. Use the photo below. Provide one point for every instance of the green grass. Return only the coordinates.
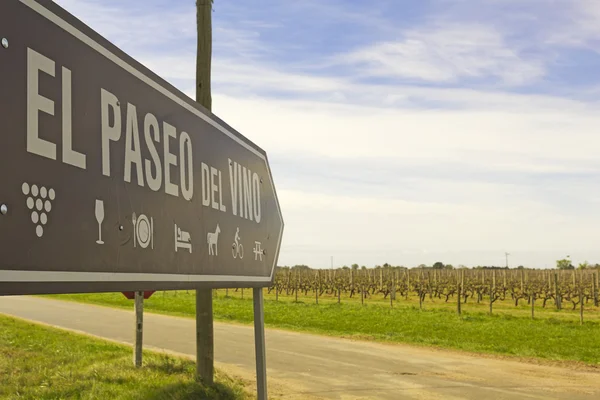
(552, 335)
(39, 362)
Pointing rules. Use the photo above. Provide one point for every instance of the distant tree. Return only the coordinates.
(564, 264)
(301, 266)
(438, 265)
(345, 267)
(422, 266)
(363, 267)
(520, 267)
(448, 266)
(584, 265)
(354, 266)
(386, 265)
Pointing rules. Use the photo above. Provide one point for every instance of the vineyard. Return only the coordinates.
(572, 289)
(500, 311)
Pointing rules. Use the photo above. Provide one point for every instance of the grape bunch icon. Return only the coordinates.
(39, 202)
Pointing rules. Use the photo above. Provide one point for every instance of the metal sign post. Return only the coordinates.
(259, 344)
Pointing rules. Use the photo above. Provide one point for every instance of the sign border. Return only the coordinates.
(72, 25)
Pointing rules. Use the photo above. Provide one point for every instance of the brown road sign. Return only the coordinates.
(114, 180)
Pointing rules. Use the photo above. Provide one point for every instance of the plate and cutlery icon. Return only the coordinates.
(143, 227)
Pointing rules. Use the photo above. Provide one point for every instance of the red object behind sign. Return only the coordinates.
(131, 295)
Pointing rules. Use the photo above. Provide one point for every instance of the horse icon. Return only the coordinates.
(212, 238)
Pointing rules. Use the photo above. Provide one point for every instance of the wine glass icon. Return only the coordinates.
(99, 218)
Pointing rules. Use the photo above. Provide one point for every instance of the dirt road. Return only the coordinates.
(303, 366)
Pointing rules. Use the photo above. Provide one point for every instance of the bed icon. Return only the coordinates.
(183, 240)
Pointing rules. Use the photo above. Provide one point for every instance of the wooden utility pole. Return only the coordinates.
(204, 53)
(204, 302)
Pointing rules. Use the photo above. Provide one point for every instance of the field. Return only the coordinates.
(423, 317)
(38, 362)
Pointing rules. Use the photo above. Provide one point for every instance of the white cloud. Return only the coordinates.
(372, 230)
(377, 215)
(467, 217)
(578, 24)
(247, 78)
(133, 26)
(441, 135)
(447, 52)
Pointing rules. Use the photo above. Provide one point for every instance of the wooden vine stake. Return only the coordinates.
(459, 294)
(595, 288)
(317, 287)
(581, 305)
(395, 278)
(362, 295)
(429, 285)
(296, 283)
(492, 291)
(522, 281)
(556, 292)
(407, 282)
(580, 297)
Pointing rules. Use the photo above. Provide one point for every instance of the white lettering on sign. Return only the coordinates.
(37, 63)
(155, 153)
(170, 159)
(152, 134)
(212, 185)
(147, 171)
(133, 155)
(187, 169)
(245, 192)
(256, 195)
(109, 132)
(205, 173)
(69, 155)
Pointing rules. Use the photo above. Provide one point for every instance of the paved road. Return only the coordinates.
(303, 366)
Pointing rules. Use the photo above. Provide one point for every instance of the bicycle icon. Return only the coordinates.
(237, 247)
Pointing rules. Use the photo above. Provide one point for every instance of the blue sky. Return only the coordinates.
(404, 132)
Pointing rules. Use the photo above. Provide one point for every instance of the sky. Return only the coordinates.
(401, 132)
